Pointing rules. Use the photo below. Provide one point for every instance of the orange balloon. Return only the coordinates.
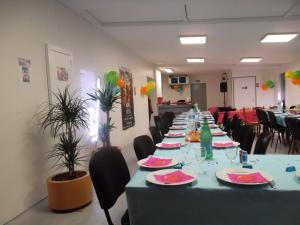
(121, 83)
(264, 87)
(144, 90)
(296, 81)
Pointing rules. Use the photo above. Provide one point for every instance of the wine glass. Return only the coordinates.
(231, 154)
(200, 155)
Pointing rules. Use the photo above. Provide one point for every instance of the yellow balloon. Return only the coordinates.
(290, 74)
(151, 85)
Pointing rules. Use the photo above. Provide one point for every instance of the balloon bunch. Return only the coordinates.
(112, 78)
(268, 84)
(146, 90)
(294, 76)
(178, 88)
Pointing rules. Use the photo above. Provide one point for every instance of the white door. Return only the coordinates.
(244, 92)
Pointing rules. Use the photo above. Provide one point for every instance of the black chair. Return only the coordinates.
(225, 120)
(216, 116)
(292, 124)
(276, 128)
(109, 174)
(262, 143)
(246, 137)
(265, 120)
(156, 135)
(143, 146)
(161, 125)
(236, 127)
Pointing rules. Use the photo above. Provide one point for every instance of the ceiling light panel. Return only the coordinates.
(169, 70)
(278, 38)
(195, 60)
(251, 59)
(192, 40)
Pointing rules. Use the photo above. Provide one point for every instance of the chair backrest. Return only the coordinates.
(272, 118)
(236, 127)
(216, 116)
(156, 135)
(246, 137)
(109, 174)
(225, 118)
(157, 121)
(161, 124)
(264, 116)
(258, 114)
(262, 143)
(291, 125)
(143, 146)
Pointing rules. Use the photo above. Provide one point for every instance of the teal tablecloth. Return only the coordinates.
(210, 202)
(280, 118)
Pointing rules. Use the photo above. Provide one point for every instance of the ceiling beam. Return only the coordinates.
(290, 10)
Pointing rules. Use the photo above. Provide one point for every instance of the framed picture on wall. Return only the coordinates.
(59, 69)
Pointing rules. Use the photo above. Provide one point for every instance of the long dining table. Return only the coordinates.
(209, 201)
(280, 117)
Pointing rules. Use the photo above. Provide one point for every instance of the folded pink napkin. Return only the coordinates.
(223, 144)
(213, 126)
(170, 145)
(217, 133)
(174, 177)
(238, 178)
(177, 128)
(157, 162)
(175, 134)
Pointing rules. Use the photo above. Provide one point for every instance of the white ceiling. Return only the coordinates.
(233, 28)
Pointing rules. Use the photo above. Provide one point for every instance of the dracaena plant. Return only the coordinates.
(108, 97)
(63, 117)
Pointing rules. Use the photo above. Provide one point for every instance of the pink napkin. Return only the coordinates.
(223, 144)
(157, 162)
(174, 177)
(256, 178)
(217, 133)
(175, 134)
(170, 145)
(213, 126)
(177, 128)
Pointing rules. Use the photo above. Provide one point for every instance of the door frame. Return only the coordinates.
(254, 88)
(205, 91)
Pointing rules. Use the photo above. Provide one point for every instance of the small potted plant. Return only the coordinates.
(108, 97)
(64, 117)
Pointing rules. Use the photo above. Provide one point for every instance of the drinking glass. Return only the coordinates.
(200, 155)
(185, 150)
(231, 154)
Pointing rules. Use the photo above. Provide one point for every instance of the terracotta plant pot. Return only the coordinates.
(69, 194)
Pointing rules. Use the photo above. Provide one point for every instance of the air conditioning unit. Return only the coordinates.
(178, 79)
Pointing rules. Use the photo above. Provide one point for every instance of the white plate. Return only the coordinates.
(179, 135)
(164, 147)
(172, 163)
(177, 128)
(222, 175)
(150, 177)
(234, 144)
(179, 123)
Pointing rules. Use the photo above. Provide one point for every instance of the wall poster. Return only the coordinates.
(127, 105)
(24, 65)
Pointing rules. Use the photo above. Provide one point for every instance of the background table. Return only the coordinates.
(210, 202)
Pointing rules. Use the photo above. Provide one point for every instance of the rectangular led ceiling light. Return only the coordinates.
(251, 59)
(192, 40)
(278, 38)
(168, 70)
(195, 60)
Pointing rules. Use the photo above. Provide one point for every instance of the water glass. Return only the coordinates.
(200, 155)
(231, 154)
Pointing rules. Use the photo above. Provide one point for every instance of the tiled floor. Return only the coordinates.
(92, 214)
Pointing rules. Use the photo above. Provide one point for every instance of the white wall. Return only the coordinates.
(292, 92)
(211, 78)
(264, 98)
(25, 26)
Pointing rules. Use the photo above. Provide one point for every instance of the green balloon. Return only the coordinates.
(297, 74)
(112, 77)
(270, 84)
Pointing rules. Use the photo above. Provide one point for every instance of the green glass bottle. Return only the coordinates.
(206, 140)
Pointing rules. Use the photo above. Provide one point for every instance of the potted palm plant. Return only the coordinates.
(64, 117)
(108, 97)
